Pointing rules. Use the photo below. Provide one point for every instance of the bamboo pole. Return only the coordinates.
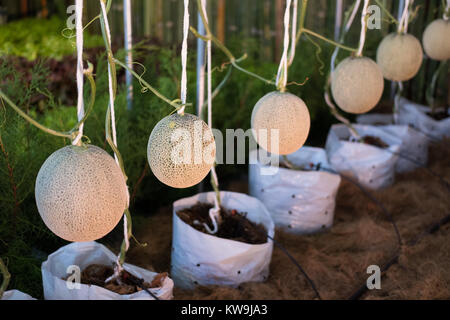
(147, 14)
(338, 20)
(24, 7)
(220, 24)
(278, 27)
(127, 27)
(200, 66)
(159, 21)
(44, 9)
(267, 30)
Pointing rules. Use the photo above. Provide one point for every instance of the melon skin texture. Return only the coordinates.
(436, 40)
(357, 84)
(181, 150)
(81, 193)
(285, 112)
(399, 56)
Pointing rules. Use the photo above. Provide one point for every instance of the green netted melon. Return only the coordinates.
(399, 56)
(286, 113)
(357, 84)
(181, 150)
(436, 40)
(81, 193)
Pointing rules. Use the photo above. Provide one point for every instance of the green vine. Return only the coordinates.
(73, 133)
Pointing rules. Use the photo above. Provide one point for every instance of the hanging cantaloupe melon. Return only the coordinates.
(285, 113)
(357, 84)
(181, 150)
(81, 193)
(436, 40)
(399, 56)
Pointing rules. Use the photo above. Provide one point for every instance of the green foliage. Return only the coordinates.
(23, 149)
(32, 38)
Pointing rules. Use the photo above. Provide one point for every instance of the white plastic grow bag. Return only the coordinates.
(372, 167)
(410, 113)
(299, 201)
(414, 144)
(16, 295)
(202, 259)
(81, 255)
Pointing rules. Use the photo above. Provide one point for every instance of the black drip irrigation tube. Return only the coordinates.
(140, 284)
(369, 195)
(297, 264)
(432, 229)
(394, 259)
(421, 165)
(391, 261)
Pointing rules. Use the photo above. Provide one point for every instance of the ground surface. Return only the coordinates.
(337, 260)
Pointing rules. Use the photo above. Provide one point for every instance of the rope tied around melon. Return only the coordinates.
(404, 21)
(362, 38)
(111, 137)
(214, 212)
(183, 91)
(282, 73)
(79, 45)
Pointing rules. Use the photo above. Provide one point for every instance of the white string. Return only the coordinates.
(200, 66)
(447, 11)
(110, 81)
(293, 31)
(346, 29)
(128, 39)
(184, 56)
(215, 211)
(362, 38)
(403, 24)
(352, 16)
(282, 69)
(118, 268)
(79, 41)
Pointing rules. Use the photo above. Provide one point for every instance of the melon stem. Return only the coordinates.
(109, 139)
(146, 85)
(67, 134)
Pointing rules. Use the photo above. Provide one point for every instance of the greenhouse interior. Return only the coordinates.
(237, 150)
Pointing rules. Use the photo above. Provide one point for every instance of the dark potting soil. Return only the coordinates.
(96, 274)
(438, 115)
(234, 226)
(374, 141)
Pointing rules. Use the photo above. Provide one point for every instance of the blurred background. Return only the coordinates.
(37, 70)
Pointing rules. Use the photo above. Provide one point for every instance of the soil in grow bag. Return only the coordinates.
(438, 116)
(374, 141)
(234, 226)
(96, 274)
